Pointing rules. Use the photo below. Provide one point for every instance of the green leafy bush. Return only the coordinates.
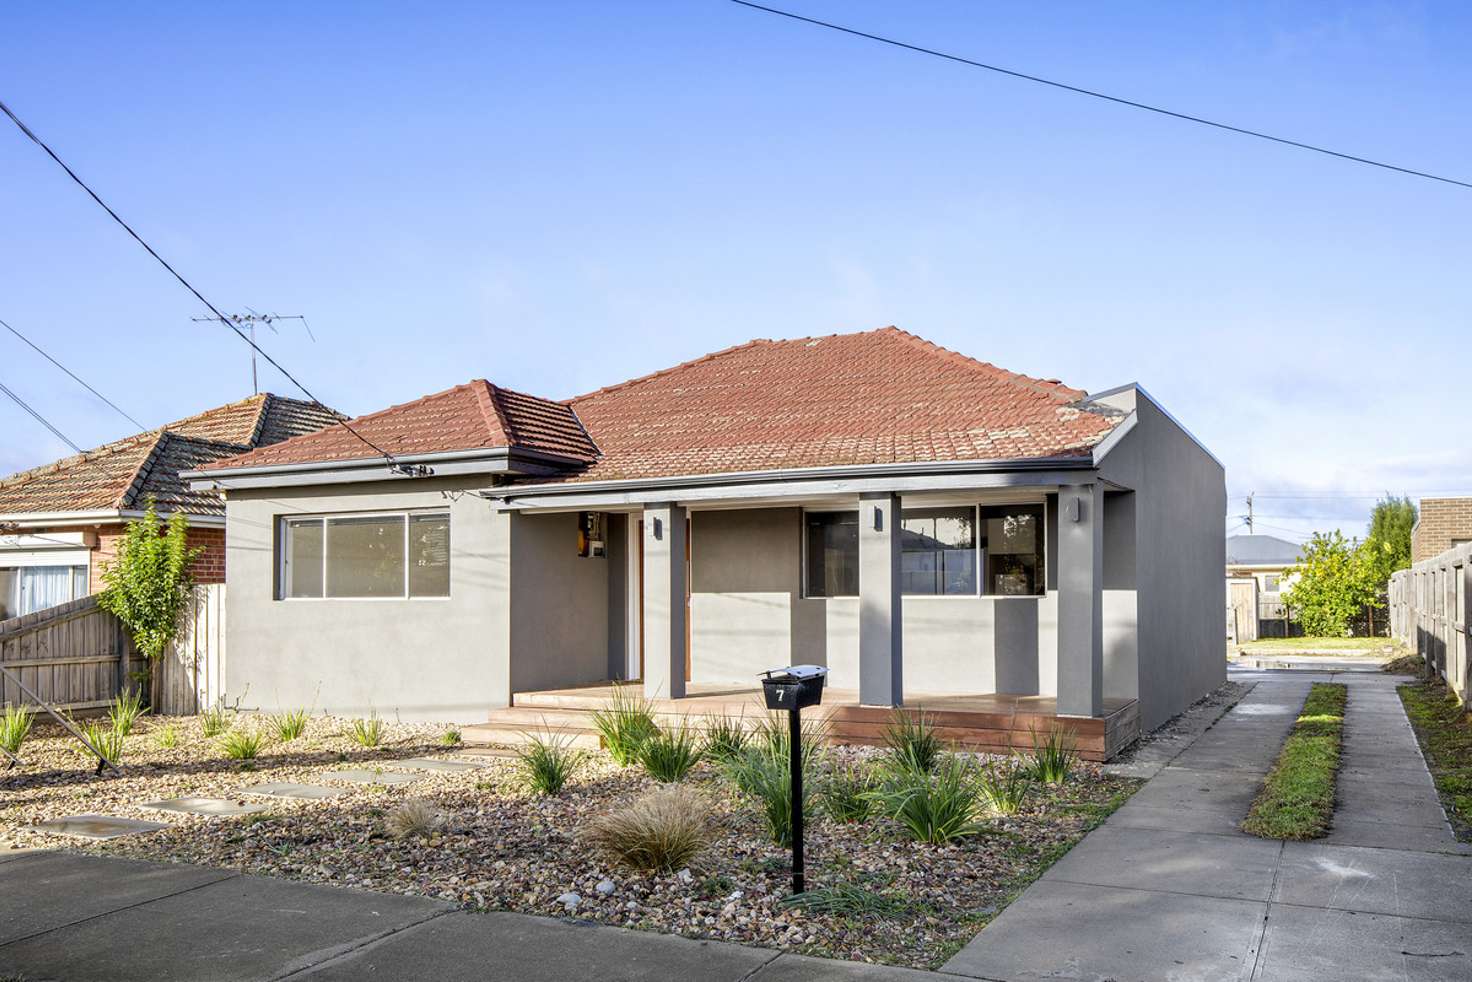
(545, 765)
(912, 741)
(15, 726)
(367, 732)
(1055, 757)
(933, 807)
(668, 754)
(450, 738)
(125, 709)
(290, 725)
(847, 794)
(1003, 786)
(724, 737)
(147, 585)
(625, 724)
(664, 831)
(241, 745)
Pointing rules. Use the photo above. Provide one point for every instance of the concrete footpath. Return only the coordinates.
(1169, 889)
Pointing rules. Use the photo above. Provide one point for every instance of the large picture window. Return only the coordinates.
(939, 551)
(832, 553)
(366, 556)
(1012, 550)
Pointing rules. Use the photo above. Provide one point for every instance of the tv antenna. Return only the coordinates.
(249, 322)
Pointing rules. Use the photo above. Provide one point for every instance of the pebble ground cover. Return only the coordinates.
(880, 896)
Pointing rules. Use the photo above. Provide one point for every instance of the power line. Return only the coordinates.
(39, 418)
(35, 347)
(1094, 94)
(394, 466)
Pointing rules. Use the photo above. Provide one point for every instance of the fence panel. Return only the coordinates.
(73, 656)
(1428, 612)
(192, 672)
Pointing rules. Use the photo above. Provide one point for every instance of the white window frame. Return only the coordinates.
(283, 552)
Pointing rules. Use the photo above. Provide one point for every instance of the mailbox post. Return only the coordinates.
(793, 689)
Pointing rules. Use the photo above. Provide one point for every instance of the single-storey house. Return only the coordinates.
(1257, 576)
(60, 523)
(927, 526)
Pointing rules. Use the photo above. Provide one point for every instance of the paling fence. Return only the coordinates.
(1428, 612)
(77, 657)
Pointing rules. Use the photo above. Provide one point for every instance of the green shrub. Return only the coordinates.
(168, 737)
(241, 745)
(106, 738)
(544, 765)
(668, 754)
(933, 807)
(125, 709)
(367, 732)
(724, 737)
(214, 721)
(1055, 756)
(15, 726)
(1002, 786)
(766, 776)
(290, 725)
(625, 724)
(450, 738)
(847, 793)
(147, 583)
(661, 832)
(912, 741)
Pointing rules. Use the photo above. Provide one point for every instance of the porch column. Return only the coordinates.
(664, 601)
(881, 638)
(1081, 600)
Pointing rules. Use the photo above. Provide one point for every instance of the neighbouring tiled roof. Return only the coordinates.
(473, 416)
(122, 475)
(876, 397)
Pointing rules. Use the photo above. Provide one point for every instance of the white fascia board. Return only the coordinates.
(101, 516)
(53, 540)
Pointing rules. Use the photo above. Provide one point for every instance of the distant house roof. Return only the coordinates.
(876, 397)
(1261, 550)
(124, 474)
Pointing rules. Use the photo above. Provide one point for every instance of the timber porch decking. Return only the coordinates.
(989, 722)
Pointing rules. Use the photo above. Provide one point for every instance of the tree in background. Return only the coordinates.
(1333, 584)
(1388, 546)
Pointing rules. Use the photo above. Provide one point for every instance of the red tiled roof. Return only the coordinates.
(124, 474)
(875, 397)
(473, 416)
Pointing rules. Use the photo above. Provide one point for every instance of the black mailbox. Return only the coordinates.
(795, 687)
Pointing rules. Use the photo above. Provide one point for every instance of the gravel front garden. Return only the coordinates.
(484, 839)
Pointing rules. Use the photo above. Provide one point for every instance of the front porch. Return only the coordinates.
(981, 722)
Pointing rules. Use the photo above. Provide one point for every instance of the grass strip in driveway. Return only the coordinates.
(1297, 797)
(1445, 732)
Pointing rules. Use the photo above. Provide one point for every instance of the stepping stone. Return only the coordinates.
(289, 790)
(97, 826)
(371, 777)
(438, 765)
(205, 806)
(486, 754)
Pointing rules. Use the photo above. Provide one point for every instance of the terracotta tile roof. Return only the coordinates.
(123, 474)
(875, 397)
(473, 416)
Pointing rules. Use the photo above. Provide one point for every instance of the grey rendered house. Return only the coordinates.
(932, 528)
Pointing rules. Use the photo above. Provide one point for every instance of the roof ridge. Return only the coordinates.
(1049, 387)
(261, 413)
(641, 379)
(85, 456)
(141, 472)
(490, 408)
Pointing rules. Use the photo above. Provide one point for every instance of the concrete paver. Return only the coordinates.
(1377, 881)
(288, 789)
(219, 807)
(1174, 862)
(362, 776)
(1309, 944)
(439, 765)
(98, 826)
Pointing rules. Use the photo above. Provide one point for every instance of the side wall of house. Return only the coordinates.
(421, 659)
(559, 605)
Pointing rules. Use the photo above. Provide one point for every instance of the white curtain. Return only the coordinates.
(44, 586)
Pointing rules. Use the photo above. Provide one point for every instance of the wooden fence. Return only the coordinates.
(1428, 612)
(73, 656)
(77, 657)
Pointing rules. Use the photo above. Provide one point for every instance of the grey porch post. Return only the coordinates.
(1081, 600)
(881, 646)
(664, 601)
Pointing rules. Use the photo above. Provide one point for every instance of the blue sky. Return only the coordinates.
(557, 196)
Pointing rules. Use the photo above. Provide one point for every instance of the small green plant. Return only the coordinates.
(1055, 756)
(125, 709)
(15, 726)
(625, 724)
(664, 831)
(214, 721)
(848, 900)
(766, 776)
(167, 737)
(450, 738)
(412, 818)
(147, 584)
(774, 733)
(105, 738)
(241, 745)
(933, 807)
(290, 725)
(545, 764)
(667, 755)
(724, 737)
(847, 793)
(1004, 785)
(367, 732)
(912, 741)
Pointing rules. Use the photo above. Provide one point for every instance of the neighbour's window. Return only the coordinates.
(1270, 582)
(832, 553)
(1012, 550)
(366, 556)
(939, 551)
(27, 589)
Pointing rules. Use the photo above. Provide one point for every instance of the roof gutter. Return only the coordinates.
(491, 460)
(37, 519)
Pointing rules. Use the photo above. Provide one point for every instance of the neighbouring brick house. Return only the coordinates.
(1441, 524)
(60, 523)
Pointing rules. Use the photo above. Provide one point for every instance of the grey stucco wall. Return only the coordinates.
(559, 605)
(1180, 508)
(423, 659)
